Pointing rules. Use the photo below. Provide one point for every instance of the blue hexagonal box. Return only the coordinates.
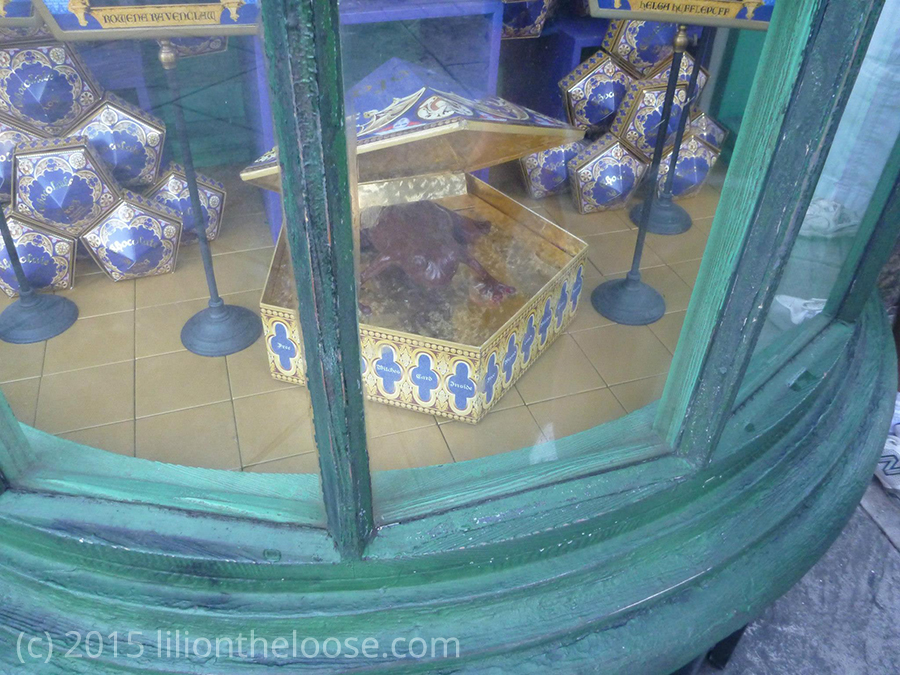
(137, 238)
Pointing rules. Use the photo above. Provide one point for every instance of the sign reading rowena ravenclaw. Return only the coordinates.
(736, 13)
(105, 19)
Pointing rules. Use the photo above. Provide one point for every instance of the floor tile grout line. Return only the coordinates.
(270, 391)
(198, 299)
(37, 401)
(237, 431)
(87, 428)
(566, 395)
(189, 407)
(96, 365)
(278, 459)
(544, 438)
(447, 443)
(134, 431)
(585, 354)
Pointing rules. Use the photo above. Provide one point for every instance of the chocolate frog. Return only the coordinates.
(428, 242)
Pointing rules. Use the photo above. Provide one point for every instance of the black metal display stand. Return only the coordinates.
(34, 317)
(630, 301)
(667, 217)
(219, 329)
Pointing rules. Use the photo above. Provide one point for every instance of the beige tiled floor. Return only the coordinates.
(121, 380)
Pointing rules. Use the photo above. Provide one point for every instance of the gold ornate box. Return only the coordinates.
(281, 321)
(439, 351)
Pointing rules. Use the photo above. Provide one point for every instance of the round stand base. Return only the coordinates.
(628, 301)
(219, 331)
(40, 318)
(666, 217)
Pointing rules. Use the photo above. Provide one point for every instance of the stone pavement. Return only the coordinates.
(843, 617)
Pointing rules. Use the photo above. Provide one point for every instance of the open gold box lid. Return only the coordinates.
(409, 122)
(444, 350)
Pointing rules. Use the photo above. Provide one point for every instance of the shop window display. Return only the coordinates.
(530, 217)
(99, 209)
(311, 308)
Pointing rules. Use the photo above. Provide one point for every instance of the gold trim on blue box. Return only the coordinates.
(127, 138)
(172, 190)
(138, 238)
(643, 44)
(48, 258)
(12, 134)
(661, 72)
(63, 184)
(640, 114)
(704, 126)
(695, 162)
(264, 172)
(526, 18)
(545, 172)
(605, 174)
(281, 319)
(593, 91)
(45, 86)
(12, 34)
(189, 47)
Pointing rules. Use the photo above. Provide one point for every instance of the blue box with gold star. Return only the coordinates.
(639, 116)
(12, 134)
(545, 172)
(172, 190)
(643, 44)
(127, 138)
(695, 160)
(525, 18)
(45, 86)
(63, 184)
(705, 126)
(48, 258)
(593, 91)
(605, 174)
(137, 238)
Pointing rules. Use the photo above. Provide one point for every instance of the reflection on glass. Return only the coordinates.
(867, 131)
(495, 182)
(91, 178)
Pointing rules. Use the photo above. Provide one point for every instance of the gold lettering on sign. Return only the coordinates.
(155, 15)
(723, 9)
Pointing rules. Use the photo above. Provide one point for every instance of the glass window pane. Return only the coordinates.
(92, 164)
(867, 132)
(499, 164)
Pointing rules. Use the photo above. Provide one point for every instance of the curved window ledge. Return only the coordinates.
(567, 580)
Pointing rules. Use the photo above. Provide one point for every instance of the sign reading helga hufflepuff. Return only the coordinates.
(754, 14)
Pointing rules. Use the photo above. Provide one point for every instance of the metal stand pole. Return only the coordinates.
(667, 217)
(630, 301)
(34, 317)
(219, 329)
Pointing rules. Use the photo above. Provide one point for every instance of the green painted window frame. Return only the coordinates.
(805, 74)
